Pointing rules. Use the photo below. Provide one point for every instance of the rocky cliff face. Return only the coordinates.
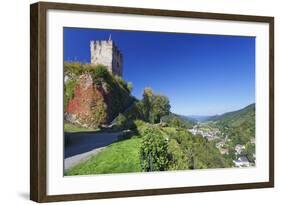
(96, 102)
(88, 106)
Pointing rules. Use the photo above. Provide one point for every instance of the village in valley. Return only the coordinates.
(223, 142)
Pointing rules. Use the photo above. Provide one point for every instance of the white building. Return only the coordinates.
(242, 162)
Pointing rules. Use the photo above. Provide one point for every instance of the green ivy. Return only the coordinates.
(68, 91)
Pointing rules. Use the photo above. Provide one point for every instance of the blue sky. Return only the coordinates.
(200, 74)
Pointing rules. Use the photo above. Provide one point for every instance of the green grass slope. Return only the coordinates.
(119, 157)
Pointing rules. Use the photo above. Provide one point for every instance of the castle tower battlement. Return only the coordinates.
(105, 52)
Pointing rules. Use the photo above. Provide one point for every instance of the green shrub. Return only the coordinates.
(134, 112)
(178, 159)
(154, 150)
(141, 127)
(99, 74)
(73, 68)
(126, 86)
(68, 92)
(250, 150)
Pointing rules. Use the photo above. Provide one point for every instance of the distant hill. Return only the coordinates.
(199, 118)
(239, 125)
(238, 117)
(181, 120)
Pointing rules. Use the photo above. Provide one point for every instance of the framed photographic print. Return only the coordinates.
(135, 102)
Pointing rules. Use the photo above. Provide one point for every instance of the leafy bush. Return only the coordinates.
(73, 69)
(154, 150)
(141, 127)
(69, 87)
(134, 111)
(126, 86)
(122, 122)
(99, 74)
(178, 159)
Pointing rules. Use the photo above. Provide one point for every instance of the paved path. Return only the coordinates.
(81, 146)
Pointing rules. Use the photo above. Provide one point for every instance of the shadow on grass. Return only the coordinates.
(81, 142)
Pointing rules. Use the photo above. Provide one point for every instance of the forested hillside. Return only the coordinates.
(239, 125)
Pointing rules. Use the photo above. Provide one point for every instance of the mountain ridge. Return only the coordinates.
(243, 111)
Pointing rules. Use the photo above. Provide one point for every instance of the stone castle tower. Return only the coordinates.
(105, 52)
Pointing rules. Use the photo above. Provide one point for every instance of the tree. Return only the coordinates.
(176, 122)
(154, 106)
(146, 102)
(160, 107)
(154, 150)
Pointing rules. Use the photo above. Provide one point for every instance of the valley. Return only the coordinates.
(233, 135)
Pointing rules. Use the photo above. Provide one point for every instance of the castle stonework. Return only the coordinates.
(107, 53)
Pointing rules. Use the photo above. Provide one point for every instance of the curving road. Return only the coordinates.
(82, 145)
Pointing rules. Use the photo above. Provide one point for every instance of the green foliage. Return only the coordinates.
(238, 125)
(160, 106)
(74, 128)
(126, 86)
(146, 103)
(154, 106)
(199, 153)
(174, 120)
(99, 114)
(154, 150)
(178, 159)
(121, 120)
(69, 87)
(130, 86)
(231, 154)
(119, 157)
(207, 156)
(141, 127)
(250, 150)
(134, 112)
(73, 69)
(99, 74)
